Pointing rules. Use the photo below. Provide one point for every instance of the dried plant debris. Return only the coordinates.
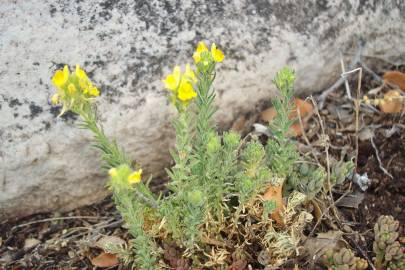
(105, 260)
(389, 253)
(175, 259)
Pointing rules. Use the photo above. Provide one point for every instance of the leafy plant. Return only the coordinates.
(218, 180)
(343, 259)
(390, 254)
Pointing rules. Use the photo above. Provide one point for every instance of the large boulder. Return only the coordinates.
(47, 163)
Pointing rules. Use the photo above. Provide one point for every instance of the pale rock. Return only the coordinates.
(127, 47)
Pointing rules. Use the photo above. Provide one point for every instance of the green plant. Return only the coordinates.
(389, 252)
(343, 259)
(218, 180)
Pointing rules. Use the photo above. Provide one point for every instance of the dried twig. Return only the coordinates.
(396, 64)
(348, 92)
(379, 160)
(358, 113)
(340, 81)
(326, 211)
(370, 263)
(304, 135)
(366, 68)
(325, 140)
(357, 106)
(55, 219)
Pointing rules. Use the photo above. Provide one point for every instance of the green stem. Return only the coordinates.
(379, 265)
(205, 108)
(112, 155)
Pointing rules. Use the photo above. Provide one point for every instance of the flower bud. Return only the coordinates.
(195, 197)
(214, 143)
(231, 139)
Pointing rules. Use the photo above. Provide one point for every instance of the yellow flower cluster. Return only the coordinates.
(202, 50)
(72, 87)
(135, 177)
(132, 177)
(181, 84)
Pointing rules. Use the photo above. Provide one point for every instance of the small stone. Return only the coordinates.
(30, 243)
(105, 241)
(71, 254)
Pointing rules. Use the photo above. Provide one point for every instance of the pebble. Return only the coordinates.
(71, 254)
(30, 243)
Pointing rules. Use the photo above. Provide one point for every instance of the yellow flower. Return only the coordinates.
(172, 81)
(200, 49)
(83, 85)
(80, 73)
(186, 91)
(135, 177)
(55, 99)
(71, 88)
(113, 172)
(217, 54)
(93, 91)
(190, 74)
(61, 77)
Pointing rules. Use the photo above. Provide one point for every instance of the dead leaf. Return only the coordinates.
(375, 91)
(275, 193)
(239, 124)
(366, 134)
(238, 265)
(394, 105)
(316, 210)
(104, 241)
(388, 132)
(352, 200)
(105, 260)
(305, 108)
(316, 247)
(395, 77)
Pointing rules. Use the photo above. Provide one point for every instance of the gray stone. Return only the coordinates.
(46, 163)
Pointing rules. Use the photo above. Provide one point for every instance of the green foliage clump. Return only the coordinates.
(306, 178)
(343, 259)
(217, 181)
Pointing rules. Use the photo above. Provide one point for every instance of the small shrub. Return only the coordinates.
(218, 180)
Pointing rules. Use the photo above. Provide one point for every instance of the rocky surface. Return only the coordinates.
(46, 163)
